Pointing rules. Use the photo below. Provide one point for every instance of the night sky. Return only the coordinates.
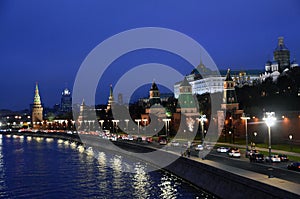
(47, 41)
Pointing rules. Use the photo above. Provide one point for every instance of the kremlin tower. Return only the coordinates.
(37, 108)
(110, 99)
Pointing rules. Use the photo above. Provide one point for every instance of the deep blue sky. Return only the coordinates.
(46, 41)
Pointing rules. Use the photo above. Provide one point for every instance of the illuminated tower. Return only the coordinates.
(37, 108)
(229, 96)
(282, 55)
(66, 101)
(110, 98)
(154, 95)
(186, 101)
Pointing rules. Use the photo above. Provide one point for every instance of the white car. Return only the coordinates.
(174, 143)
(274, 158)
(199, 147)
(234, 152)
(222, 149)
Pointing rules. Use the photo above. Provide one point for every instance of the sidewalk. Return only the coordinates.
(262, 149)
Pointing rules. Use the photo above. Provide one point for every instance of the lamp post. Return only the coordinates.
(101, 123)
(115, 126)
(167, 121)
(145, 123)
(229, 136)
(269, 120)
(246, 119)
(138, 121)
(291, 137)
(202, 119)
(255, 134)
(126, 120)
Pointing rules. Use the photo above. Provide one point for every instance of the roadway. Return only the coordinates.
(277, 170)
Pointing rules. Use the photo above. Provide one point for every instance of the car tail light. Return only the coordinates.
(298, 167)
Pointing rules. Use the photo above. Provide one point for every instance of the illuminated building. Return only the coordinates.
(66, 101)
(110, 99)
(37, 108)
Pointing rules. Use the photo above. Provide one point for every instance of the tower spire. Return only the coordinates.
(37, 98)
(37, 108)
(110, 98)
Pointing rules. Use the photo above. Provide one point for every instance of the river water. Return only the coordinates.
(52, 168)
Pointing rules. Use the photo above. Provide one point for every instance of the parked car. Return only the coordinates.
(199, 147)
(294, 166)
(222, 149)
(283, 158)
(274, 158)
(234, 152)
(175, 143)
(163, 142)
(256, 157)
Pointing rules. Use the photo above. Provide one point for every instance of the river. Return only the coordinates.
(33, 167)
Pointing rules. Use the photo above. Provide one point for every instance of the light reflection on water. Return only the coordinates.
(40, 168)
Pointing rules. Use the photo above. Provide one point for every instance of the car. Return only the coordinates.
(294, 166)
(175, 143)
(274, 158)
(199, 147)
(283, 158)
(234, 152)
(256, 157)
(222, 149)
(163, 142)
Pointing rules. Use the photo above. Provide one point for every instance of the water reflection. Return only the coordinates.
(141, 181)
(28, 138)
(116, 163)
(3, 186)
(168, 190)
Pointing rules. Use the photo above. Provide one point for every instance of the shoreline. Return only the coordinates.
(216, 179)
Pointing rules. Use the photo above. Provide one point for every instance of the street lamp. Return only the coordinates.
(230, 136)
(101, 123)
(167, 125)
(126, 120)
(202, 119)
(145, 123)
(138, 121)
(269, 120)
(291, 137)
(255, 134)
(115, 126)
(246, 119)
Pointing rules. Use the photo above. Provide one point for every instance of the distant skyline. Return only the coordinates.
(47, 41)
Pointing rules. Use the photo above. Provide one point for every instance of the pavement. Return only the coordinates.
(276, 182)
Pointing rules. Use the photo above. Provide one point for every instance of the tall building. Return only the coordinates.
(154, 95)
(154, 103)
(282, 55)
(230, 114)
(66, 101)
(37, 108)
(110, 99)
(187, 103)
(229, 101)
(280, 63)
